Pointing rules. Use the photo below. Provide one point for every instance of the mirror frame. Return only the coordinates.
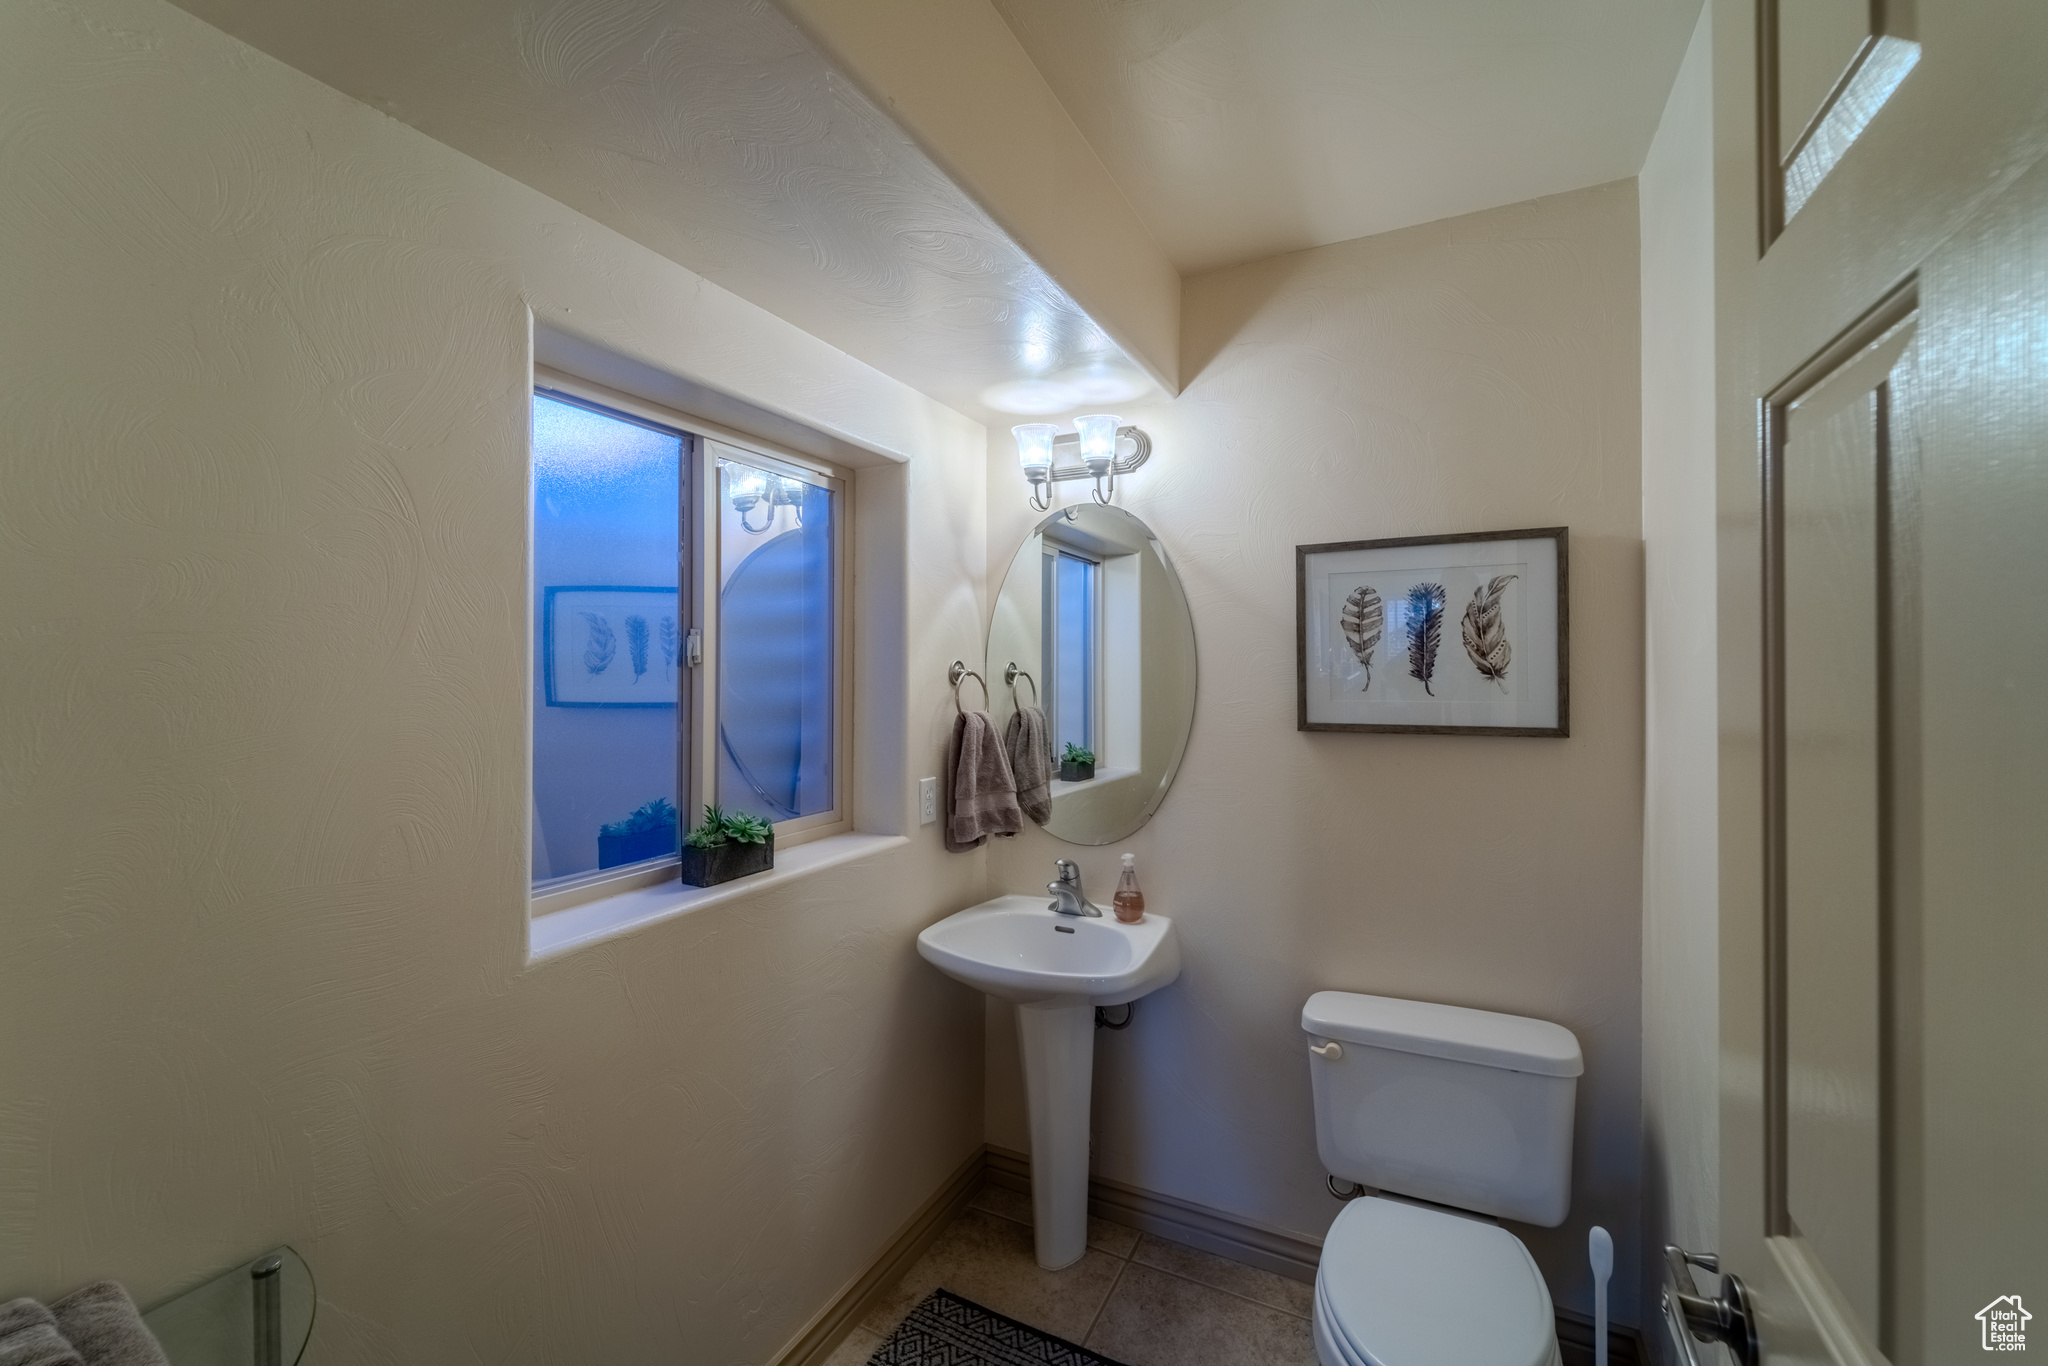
(992, 668)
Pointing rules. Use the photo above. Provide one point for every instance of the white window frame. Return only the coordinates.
(700, 563)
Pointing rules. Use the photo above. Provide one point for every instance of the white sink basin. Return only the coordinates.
(1055, 969)
(1016, 948)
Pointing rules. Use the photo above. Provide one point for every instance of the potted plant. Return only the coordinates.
(727, 845)
(648, 833)
(1077, 764)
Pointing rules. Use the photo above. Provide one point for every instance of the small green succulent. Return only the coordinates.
(727, 827)
(1076, 754)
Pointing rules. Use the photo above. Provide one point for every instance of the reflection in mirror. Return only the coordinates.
(1092, 626)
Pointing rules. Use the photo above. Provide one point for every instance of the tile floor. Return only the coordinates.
(1132, 1297)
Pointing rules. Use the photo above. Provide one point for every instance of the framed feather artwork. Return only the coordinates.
(603, 645)
(1435, 635)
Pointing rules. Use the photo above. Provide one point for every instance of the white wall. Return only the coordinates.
(1475, 374)
(262, 760)
(1681, 947)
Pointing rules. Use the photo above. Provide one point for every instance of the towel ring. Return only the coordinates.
(960, 673)
(1013, 673)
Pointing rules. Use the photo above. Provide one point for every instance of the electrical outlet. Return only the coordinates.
(927, 800)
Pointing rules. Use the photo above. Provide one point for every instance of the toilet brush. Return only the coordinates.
(1600, 1248)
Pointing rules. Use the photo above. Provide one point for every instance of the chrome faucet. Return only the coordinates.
(1067, 896)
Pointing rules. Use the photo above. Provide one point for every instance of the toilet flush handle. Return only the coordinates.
(1330, 1051)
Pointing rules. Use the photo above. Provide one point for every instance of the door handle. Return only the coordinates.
(1727, 1318)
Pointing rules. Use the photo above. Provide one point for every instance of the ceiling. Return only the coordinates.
(715, 133)
(1244, 128)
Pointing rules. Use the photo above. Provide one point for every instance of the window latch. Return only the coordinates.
(693, 648)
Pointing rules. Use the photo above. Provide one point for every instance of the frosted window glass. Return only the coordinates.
(608, 632)
(777, 642)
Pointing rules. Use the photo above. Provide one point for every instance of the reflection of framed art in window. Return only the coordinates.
(1434, 634)
(610, 646)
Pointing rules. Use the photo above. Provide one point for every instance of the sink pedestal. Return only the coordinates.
(1058, 1040)
(1055, 969)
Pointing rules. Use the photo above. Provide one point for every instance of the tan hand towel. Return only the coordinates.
(984, 793)
(1030, 762)
(29, 1337)
(106, 1328)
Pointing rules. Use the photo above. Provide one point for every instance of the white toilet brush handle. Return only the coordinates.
(1600, 1247)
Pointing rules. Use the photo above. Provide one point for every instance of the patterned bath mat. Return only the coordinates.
(946, 1330)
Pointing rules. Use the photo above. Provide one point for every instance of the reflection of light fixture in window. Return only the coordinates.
(750, 488)
(788, 493)
(1098, 439)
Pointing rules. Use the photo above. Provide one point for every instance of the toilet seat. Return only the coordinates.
(1400, 1285)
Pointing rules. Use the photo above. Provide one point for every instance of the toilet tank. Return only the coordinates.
(1461, 1107)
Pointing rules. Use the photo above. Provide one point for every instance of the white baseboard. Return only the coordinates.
(1254, 1244)
(1178, 1221)
(1165, 1216)
(831, 1324)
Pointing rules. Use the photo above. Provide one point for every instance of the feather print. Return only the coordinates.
(1364, 621)
(1425, 631)
(671, 645)
(602, 645)
(636, 644)
(1486, 636)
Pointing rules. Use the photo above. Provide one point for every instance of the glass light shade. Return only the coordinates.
(1098, 440)
(1034, 446)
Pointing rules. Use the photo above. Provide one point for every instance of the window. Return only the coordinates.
(1072, 593)
(776, 591)
(608, 621)
(687, 602)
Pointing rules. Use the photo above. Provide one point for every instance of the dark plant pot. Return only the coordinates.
(614, 850)
(1075, 773)
(724, 862)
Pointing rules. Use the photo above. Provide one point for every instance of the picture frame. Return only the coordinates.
(1435, 635)
(592, 655)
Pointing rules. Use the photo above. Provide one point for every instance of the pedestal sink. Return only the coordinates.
(1056, 969)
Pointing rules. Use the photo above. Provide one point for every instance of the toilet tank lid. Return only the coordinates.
(1512, 1042)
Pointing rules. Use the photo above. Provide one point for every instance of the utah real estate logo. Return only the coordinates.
(2005, 1324)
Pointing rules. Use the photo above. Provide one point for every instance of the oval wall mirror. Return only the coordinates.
(1092, 627)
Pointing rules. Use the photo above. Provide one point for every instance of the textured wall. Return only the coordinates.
(1469, 375)
(262, 787)
(1681, 913)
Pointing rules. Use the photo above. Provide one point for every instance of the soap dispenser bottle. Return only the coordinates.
(1130, 902)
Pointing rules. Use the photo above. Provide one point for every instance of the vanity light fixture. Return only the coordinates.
(1098, 440)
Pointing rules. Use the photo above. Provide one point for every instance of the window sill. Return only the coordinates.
(1103, 778)
(558, 932)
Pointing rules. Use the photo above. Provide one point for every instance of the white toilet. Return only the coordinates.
(1471, 1112)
